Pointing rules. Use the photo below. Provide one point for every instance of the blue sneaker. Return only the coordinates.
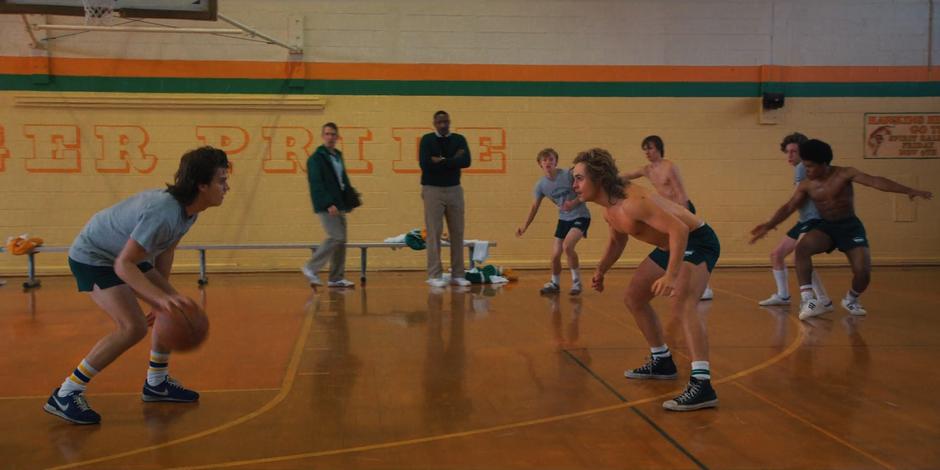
(168, 390)
(72, 408)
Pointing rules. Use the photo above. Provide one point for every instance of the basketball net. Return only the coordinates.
(98, 12)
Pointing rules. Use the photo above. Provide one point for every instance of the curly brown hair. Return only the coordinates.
(794, 138)
(602, 171)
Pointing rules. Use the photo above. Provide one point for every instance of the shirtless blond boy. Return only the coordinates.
(664, 174)
(686, 252)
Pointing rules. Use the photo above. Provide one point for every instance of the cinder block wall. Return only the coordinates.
(516, 76)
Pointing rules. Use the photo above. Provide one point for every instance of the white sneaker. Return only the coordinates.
(437, 282)
(826, 305)
(549, 288)
(811, 308)
(341, 283)
(708, 294)
(311, 276)
(773, 300)
(853, 307)
(575, 288)
(459, 281)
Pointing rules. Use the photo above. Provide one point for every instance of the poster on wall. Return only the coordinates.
(902, 135)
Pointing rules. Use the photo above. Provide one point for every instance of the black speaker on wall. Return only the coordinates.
(772, 100)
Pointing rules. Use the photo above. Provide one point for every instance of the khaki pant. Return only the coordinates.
(442, 202)
(333, 248)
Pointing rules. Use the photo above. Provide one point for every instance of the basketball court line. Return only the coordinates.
(816, 427)
(662, 432)
(793, 414)
(781, 408)
(797, 342)
(286, 386)
(292, 372)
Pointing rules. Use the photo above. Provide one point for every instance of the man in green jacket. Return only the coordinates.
(332, 198)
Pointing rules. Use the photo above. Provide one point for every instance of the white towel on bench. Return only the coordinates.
(481, 251)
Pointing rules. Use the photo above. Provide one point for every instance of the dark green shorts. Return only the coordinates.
(565, 226)
(88, 276)
(703, 247)
(846, 234)
(802, 227)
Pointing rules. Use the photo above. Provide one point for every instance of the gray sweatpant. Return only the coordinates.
(333, 247)
(442, 202)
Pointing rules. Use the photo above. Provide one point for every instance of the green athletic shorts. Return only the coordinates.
(565, 226)
(846, 234)
(88, 276)
(703, 247)
(802, 227)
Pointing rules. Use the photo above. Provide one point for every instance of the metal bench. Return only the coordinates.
(32, 282)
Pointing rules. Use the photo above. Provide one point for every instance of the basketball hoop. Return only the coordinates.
(98, 12)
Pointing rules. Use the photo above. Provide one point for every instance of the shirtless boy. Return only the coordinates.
(686, 252)
(830, 188)
(664, 174)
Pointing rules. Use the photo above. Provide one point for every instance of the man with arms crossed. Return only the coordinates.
(442, 154)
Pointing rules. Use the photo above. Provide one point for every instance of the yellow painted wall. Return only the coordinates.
(731, 164)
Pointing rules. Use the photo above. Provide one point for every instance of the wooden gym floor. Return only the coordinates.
(397, 375)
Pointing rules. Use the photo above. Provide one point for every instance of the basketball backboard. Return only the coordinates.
(182, 9)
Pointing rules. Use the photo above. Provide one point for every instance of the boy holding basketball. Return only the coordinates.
(573, 219)
(125, 252)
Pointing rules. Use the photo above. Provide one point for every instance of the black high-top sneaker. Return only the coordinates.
(698, 394)
(657, 368)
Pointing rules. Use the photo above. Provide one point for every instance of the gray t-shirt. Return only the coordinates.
(560, 191)
(152, 218)
(808, 211)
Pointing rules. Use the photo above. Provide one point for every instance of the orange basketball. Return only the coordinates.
(182, 329)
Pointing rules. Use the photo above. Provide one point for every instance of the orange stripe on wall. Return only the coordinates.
(464, 72)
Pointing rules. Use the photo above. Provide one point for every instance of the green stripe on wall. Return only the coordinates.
(462, 88)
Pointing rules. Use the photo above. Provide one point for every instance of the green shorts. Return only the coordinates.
(88, 276)
(846, 234)
(703, 247)
(565, 226)
(802, 227)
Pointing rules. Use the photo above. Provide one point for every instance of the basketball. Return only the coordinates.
(182, 329)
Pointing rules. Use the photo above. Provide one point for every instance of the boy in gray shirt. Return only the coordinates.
(573, 219)
(125, 252)
(809, 219)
